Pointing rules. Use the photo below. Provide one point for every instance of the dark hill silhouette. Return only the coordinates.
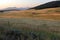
(52, 4)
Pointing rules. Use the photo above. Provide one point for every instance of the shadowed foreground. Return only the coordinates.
(29, 29)
(18, 35)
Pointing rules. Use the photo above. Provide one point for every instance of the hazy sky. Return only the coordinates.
(21, 3)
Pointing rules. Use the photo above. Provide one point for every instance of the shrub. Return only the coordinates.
(55, 37)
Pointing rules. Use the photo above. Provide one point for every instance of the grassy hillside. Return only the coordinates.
(30, 24)
(52, 13)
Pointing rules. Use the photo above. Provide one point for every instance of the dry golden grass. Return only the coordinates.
(49, 27)
(51, 13)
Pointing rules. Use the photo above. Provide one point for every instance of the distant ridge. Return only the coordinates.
(52, 4)
(12, 9)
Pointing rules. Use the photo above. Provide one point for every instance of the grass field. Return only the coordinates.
(52, 13)
(33, 24)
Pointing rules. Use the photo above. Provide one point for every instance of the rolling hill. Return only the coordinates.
(50, 13)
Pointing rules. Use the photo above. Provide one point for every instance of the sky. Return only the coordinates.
(21, 3)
